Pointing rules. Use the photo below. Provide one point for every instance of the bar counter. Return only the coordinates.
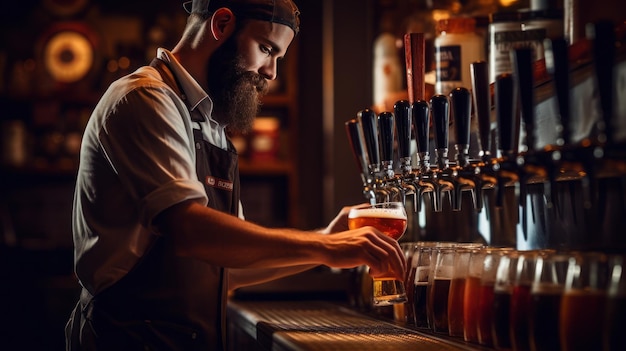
(323, 325)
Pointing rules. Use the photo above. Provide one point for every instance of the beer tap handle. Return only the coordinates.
(368, 122)
(402, 111)
(415, 58)
(352, 131)
(602, 34)
(557, 64)
(421, 120)
(386, 133)
(522, 61)
(460, 99)
(505, 113)
(482, 105)
(441, 117)
(354, 138)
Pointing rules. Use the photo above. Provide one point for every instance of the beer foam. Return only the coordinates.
(392, 213)
(421, 275)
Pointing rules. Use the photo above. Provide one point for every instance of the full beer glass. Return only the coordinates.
(390, 219)
(546, 292)
(584, 301)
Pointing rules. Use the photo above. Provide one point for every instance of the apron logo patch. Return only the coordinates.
(219, 183)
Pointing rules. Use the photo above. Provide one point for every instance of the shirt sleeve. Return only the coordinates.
(148, 140)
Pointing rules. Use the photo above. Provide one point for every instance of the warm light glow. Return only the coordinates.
(112, 66)
(124, 62)
(507, 3)
(440, 15)
(68, 56)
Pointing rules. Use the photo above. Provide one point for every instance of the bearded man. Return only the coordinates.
(158, 226)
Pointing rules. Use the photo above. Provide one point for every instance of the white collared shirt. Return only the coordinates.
(137, 158)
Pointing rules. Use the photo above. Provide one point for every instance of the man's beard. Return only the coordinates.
(234, 91)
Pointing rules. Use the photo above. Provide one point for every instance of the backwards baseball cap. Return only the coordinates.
(278, 11)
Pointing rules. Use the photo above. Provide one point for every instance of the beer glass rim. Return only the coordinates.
(386, 203)
(392, 205)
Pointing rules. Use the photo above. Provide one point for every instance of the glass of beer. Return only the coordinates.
(390, 218)
(502, 294)
(614, 337)
(546, 292)
(422, 262)
(471, 295)
(409, 249)
(457, 291)
(583, 302)
(519, 308)
(486, 294)
(438, 288)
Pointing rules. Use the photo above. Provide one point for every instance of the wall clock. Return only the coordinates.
(68, 52)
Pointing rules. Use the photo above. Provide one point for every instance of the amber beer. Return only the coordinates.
(439, 300)
(455, 307)
(485, 314)
(470, 309)
(392, 225)
(390, 219)
(581, 320)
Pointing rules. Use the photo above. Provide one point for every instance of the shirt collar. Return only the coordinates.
(192, 90)
(196, 98)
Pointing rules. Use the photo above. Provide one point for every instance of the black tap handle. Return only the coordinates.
(505, 112)
(386, 130)
(441, 117)
(354, 138)
(482, 104)
(522, 61)
(368, 120)
(402, 111)
(603, 35)
(421, 120)
(557, 64)
(461, 100)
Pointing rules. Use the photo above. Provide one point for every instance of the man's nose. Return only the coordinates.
(268, 71)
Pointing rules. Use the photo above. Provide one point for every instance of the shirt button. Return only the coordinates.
(198, 146)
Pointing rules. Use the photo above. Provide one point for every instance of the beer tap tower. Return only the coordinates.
(566, 194)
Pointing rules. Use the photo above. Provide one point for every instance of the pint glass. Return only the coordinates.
(614, 337)
(390, 219)
(546, 293)
(583, 302)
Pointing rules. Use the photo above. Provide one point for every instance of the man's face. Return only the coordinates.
(239, 69)
(235, 91)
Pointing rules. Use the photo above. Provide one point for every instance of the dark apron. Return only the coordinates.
(166, 302)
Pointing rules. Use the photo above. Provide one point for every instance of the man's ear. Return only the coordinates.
(222, 23)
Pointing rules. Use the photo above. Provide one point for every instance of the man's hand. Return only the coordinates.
(366, 246)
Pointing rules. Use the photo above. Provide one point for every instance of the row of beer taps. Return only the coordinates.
(374, 137)
(373, 142)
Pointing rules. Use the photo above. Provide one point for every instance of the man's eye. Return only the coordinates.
(266, 50)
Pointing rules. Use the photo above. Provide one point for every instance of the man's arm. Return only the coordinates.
(244, 277)
(235, 243)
